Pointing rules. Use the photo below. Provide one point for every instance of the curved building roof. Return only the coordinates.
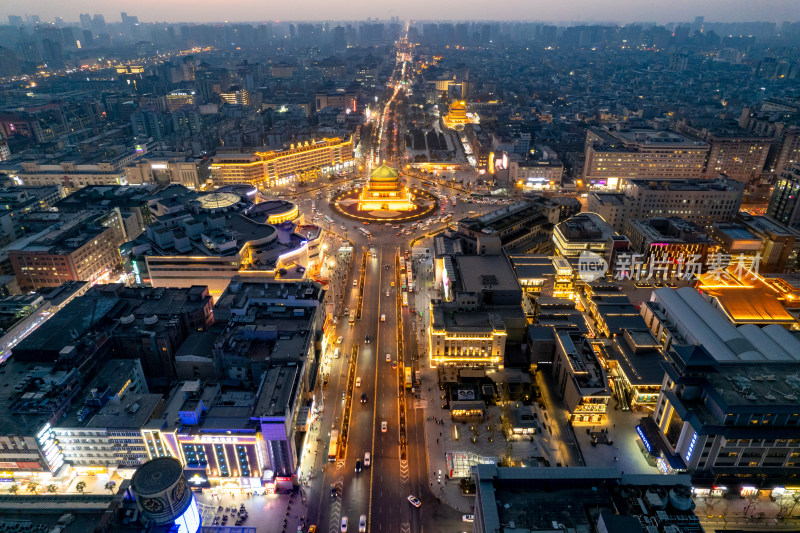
(218, 200)
(157, 475)
(384, 173)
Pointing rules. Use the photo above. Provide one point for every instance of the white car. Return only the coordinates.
(344, 524)
(362, 524)
(358, 382)
(384, 427)
(468, 518)
(387, 293)
(339, 339)
(388, 358)
(414, 501)
(355, 283)
(366, 459)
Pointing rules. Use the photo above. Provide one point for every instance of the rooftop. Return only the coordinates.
(277, 389)
(479, 273)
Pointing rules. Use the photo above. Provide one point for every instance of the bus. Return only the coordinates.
(334, 445)
(408, 377)
(405, 299)
(328, 219)
(352, 316)
(364, 232)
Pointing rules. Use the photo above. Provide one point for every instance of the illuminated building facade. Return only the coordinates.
(236, 96)
(784, 205)
(217, 236)
(587, 232)
(613, 156)
(232, 169)
(730, 422)
(85, 248)
(218, 442)
(669, 242)
(581, 380)
(466, 339)
(384, 192)
(267, 169)
(179, 98)
(457, 115)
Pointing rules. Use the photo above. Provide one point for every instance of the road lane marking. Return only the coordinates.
(375, 389)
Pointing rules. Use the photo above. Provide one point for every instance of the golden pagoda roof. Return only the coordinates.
(458, 106)
(384, 173)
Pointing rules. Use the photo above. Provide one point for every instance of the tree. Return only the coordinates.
(787, 505)
(80, 486)
(52, 488)
(491, 424)
(13, 489)
(750, 507)
(509, 455)
(32, 486)
(110, 486)
(476, 432)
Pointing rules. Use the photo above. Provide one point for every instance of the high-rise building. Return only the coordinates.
(86, 248)
(236, 96)
(616, 155)
(699, 201)
(784, 205)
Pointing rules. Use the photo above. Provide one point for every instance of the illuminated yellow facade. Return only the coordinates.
(457, 115)
(279, 218)
(451, 344)
(267, 169)
(384, 192)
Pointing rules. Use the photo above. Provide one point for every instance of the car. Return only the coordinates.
(384, 426)
(397, 234)
(358, 381)
(468, 518)
(383, 318)
(387, 293)
(394, 364)
(312, 529)
(344, 227)
(363, 397)
(344, 524)
(362, 523)
(355, 283)
(392, 284)
(334, 492)
(358, 465)
(366, 458)
(388, 358)
(336, 353)
(339, 339)
(366, 339)
(414, 501)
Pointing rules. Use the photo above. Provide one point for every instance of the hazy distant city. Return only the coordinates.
(400, 276)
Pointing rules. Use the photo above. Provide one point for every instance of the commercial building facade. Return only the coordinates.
(267, 169)
(612, 156)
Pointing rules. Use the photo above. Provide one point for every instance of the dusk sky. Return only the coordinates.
(563, 11)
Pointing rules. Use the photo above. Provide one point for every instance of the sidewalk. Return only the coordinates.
(436, 444)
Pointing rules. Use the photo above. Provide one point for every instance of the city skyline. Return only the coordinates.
(570, 12)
